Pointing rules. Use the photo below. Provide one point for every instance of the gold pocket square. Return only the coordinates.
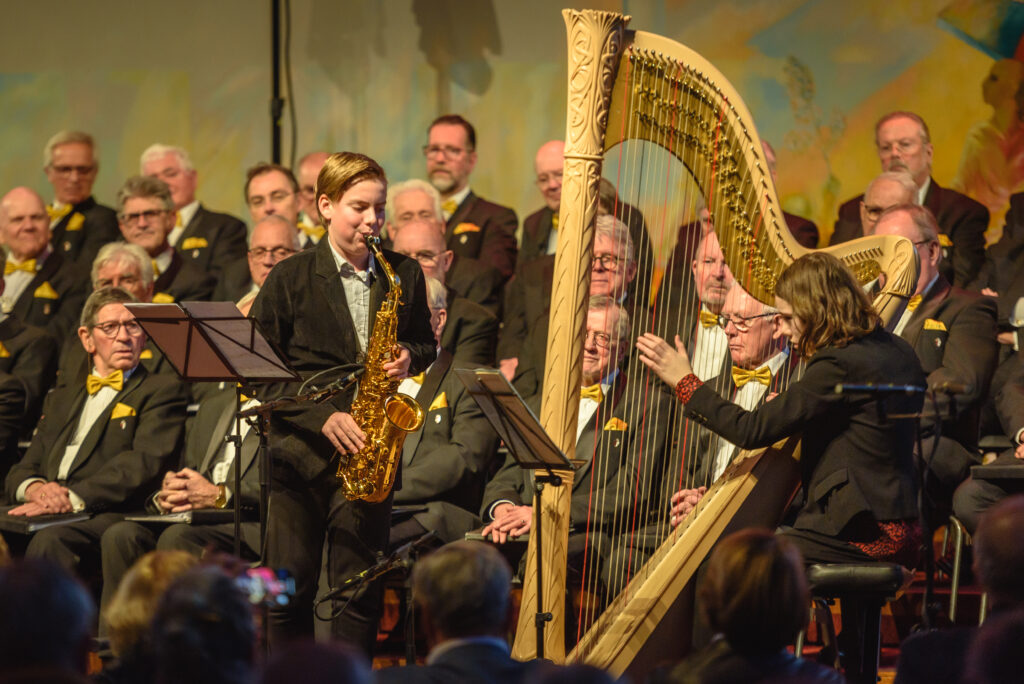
(466, 228)
(194, 243)
(121, 411)
(944, 240)
(146, 354)
(932, 324)
(163, 298)
(45, 291)
(440, 401)
(4, 352)
(616, 424)
(75, 222)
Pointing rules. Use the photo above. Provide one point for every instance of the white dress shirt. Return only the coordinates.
(709, 350)
(185, 214)
(357, 293)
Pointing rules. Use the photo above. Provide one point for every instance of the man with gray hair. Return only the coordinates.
(146, 215)
(885, 190)
(79, 226)
(273, 239)
(463, 593)
(209, 239)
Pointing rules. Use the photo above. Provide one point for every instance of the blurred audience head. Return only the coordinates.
(146, 213)
(995, 655)
(754, 592)
(309, 169)
(24, 223)
(999, 553)
(548, 166)
(423, 240)
(203, 630)
(124, 265)
(885, 190)
(572, 674)
(412, 200)
(130, 612)
(917, 224)
(463, 590)
(71, 161)
(272, 189)
(46, 619)
(273, 239)
(173, 166)
(450, 152)
(331, 662)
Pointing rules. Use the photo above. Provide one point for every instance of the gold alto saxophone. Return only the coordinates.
(382, 413)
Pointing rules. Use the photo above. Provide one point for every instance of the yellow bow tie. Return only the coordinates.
(418, 379)
(914, 302)
(56, 214)
(554, 221)
(177, 220)
(708, 319)
(449, 206)
(313, 231)
(115, 380)
(156, 269)
(28, 266)
(593, 392)
(741, 376)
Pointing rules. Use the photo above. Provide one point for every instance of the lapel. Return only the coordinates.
(49, 268)
(220, 430)
(194, 226)
(461, 213)
(588, 446)
(10, 327)
(97, 429)
(925, 310)
(431, 382)
(931, 198)
(329, 284)
(166, 279)
(544, 230)
(70, 420)
(377, 293)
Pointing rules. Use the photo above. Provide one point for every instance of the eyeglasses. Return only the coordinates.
(110, 329)
(545, 178)
(275, 197)
(448, 151)
(277, 253)
(741, 323)
(308, 190)
(904, 145)
(149, 215)
(608, 262)
(874, 212)
(67, 170)
(424, 256)
(601, 339)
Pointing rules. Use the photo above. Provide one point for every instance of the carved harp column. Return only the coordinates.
(595, 39)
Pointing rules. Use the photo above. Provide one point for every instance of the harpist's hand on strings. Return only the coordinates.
(684, 501)
(671, 365)
(344, 433)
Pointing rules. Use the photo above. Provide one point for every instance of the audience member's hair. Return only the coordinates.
(277, 218)
(754, 591)
(114, 252)
(995, 655)
(144, 187)
(341, 171)
(99, 299)
(159, 150)
(572, 674)
(999, 553)
(46, 618)
(616, 231)
(901, 177)
(332, 662)
(456, 120)
(203, 630)
(266, 167)
(463, 589)
(926, 136)
(66, 138)
(924, 220)
(437, 296)
(412, 185)
(607, 196)
(131, 610)
(602, 302)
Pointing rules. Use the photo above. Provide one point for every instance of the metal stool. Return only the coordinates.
(960, 537)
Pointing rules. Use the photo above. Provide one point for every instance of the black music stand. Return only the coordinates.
(211, 342)
(530, 446)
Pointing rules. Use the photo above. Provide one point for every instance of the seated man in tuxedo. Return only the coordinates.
(205, 479)
(462, 592)
(954, 334)
(445, 465)
(471, 331)
(309, 220)
(417, 200)
(78, 225)
(208, 239)
(540, 229)
(101, 445)
(41, 287)
(476, 228)
(147, 216)
(273, 239)
(611, 440)
(904, 144)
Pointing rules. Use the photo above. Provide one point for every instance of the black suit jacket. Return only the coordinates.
(627, 451)
(959, 217)
(30, 355)
(467, 664)
(87, 227)
(302, 310)
(954, 334)
(527, 297)
(234, 282)
(445, 465)
(477, 282)
(852, 460)
(471, 332)
(183, 281)
(1004, 263)
(804, 230)
(486, 231)
(12, 422)
(125, 452)
(54, 297)
(212, 240)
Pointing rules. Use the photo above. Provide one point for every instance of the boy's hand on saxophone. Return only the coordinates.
(399, 366)
(344, 433)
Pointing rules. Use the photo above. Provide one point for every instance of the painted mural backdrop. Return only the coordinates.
(369, 75)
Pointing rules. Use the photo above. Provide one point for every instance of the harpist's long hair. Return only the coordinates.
(828, 300)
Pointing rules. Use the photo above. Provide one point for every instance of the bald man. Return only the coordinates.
(309, 220)
(540, 229)
(885, 190)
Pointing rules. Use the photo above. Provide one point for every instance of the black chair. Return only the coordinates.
(862, 589)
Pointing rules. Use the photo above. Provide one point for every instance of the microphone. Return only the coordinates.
(872, 388)
(345, 380)
(950, 388)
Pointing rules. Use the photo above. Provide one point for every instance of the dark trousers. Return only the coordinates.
(974, 497)
(74, 547)
(302, 515)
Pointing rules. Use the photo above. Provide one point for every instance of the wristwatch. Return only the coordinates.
(222, 497)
